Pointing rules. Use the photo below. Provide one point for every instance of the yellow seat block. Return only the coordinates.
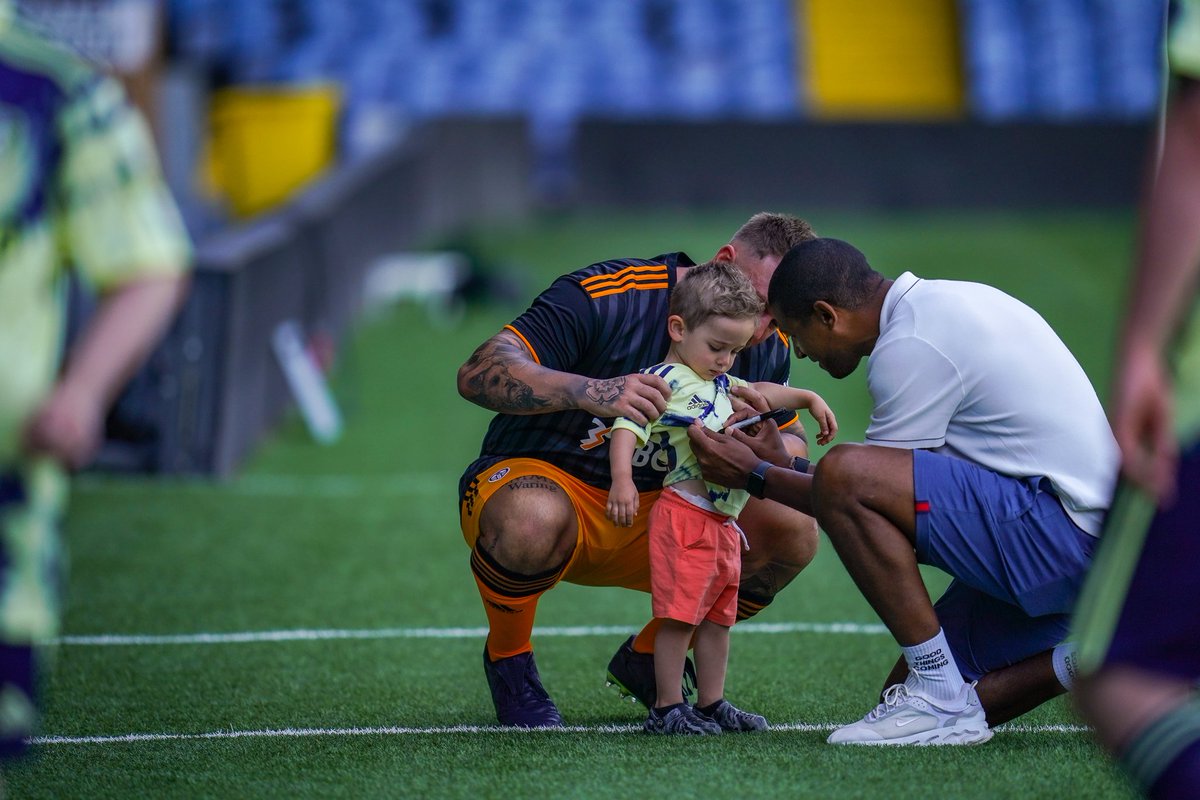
(267, 142)
(881, 58)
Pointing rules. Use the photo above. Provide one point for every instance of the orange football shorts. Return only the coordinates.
(695, 562)
(605, 555)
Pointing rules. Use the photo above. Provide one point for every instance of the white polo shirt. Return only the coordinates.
(965, 370)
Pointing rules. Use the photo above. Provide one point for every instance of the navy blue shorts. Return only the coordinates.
(17, 676)
(1017, 559)
(1141, 607)
(17, 687)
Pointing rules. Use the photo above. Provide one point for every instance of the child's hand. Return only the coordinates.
(747, 401)
(826, 422)
(622, 504)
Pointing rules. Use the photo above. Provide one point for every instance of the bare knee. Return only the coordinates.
(529, 526)
(804, 543)
(782, 543)
(795, 543)
(835, 476)
(854, 484)
(834, 487)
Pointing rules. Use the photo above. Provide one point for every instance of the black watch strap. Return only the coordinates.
(800, 463)
(756, 481)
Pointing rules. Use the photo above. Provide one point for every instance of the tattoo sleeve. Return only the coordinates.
(487, 379)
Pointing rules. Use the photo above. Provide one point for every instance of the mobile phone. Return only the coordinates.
(777, 414)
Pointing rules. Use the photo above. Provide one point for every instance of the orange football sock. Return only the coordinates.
(644, 641)
(749, 605)
(510, 602)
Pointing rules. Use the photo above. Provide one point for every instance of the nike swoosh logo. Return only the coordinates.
(900, 723)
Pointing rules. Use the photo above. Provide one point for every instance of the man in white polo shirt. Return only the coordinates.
(988, 455)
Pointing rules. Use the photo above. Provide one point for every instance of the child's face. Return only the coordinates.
(709, 348)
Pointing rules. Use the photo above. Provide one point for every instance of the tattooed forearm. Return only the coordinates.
(488, 380)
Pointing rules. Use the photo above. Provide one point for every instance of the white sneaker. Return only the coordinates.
(909, 716)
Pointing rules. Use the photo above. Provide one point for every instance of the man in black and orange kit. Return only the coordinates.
(558, 376)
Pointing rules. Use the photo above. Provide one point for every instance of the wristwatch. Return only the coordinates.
(800, 463)
(756, 481)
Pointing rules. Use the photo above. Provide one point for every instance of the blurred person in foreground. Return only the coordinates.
(1138, 622)
(988, 456)
(533, 505)
(80, 190)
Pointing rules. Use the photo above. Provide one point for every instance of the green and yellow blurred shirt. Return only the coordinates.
(80, 188)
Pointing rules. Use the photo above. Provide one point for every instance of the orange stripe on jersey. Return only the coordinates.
(645, 276)
(630, 287)
(520, 336)
(783, 338)
(649, 270)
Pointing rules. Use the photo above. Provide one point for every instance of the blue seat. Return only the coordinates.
(995, 49)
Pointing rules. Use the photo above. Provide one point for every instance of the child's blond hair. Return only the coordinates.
(715, 289)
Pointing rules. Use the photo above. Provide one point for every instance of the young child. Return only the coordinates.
(695, 543)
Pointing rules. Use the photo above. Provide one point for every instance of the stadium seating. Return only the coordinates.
(556, 62)
(467, 110)
(1062, 59)
(1026, 58)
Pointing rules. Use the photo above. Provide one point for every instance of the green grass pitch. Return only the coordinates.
(311, 628)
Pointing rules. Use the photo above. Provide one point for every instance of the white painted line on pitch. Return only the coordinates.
(303, 635)
(318, 486)
(275, 733)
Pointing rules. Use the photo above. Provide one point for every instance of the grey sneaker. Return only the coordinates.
(908, 716)
(632, 673)
(732, 719)
(681, 719)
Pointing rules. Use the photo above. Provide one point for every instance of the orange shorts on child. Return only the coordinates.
(695, 562)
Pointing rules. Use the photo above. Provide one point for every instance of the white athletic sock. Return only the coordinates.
(932, 670)
(1066, 666)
